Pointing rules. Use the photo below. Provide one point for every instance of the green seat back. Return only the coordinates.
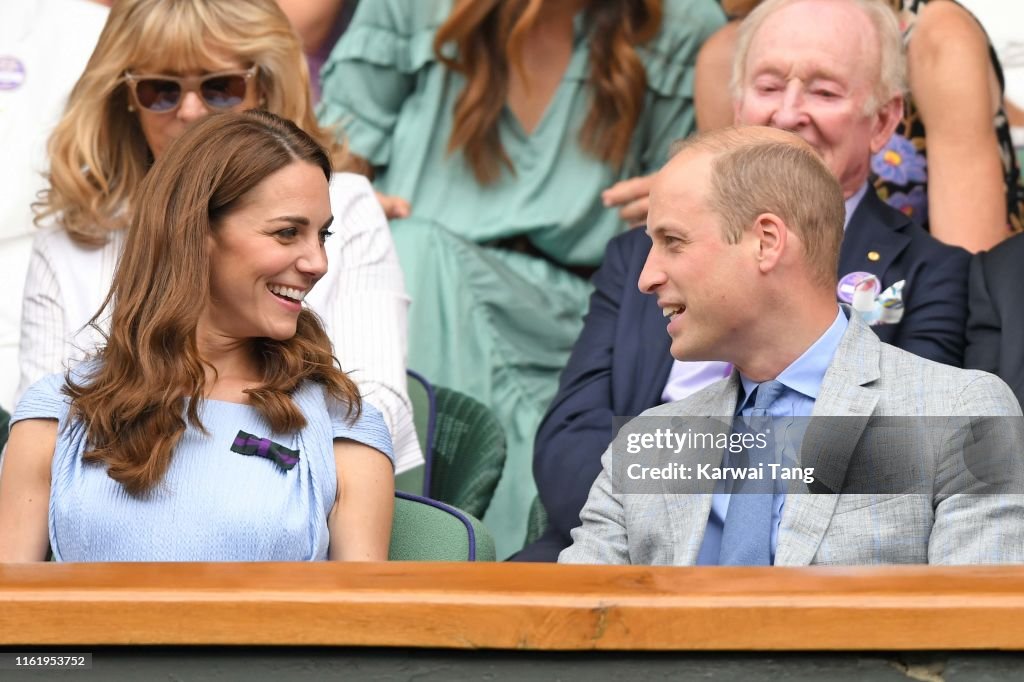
(414, 480)
(537, 522)
(468, 452)
(425, 530)
(419, 397)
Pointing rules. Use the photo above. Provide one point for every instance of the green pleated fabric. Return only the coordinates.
(495, 325)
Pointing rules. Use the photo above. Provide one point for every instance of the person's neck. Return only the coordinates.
(227, 360)
(785, 335)
(853, 185)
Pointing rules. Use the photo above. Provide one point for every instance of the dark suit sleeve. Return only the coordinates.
(983, 324)
(936, 314)
(578, 425)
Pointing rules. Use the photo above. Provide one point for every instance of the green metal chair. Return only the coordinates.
(465, 446)
(421, 397)
(428, 530)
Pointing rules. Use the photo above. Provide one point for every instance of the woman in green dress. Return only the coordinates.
(509, 141)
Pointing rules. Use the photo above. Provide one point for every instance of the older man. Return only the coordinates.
(831, 71)
(746, 227)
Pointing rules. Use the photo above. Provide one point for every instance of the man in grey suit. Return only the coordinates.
(746, 226)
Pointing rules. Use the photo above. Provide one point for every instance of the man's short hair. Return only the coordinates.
(752, 175)
(892, 77)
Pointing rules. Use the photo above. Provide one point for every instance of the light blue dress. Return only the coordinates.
(213, 504)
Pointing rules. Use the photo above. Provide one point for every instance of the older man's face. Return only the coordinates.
(811, 69)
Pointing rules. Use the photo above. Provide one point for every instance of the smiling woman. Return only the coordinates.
(160, 67)
(268, 254)
(228, 422)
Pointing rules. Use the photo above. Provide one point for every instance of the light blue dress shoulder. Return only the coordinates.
(214, 504)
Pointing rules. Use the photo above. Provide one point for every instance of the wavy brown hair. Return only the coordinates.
(98, 154)
(149, 376)
(489, 38)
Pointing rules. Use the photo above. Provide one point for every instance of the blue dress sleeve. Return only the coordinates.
(43, 400)
(369, 429)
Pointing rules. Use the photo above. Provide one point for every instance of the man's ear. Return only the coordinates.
(887, 118)
(771, 234)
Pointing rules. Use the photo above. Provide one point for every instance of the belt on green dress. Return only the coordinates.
(520, 243)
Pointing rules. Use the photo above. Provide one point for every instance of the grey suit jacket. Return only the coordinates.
(945, 521)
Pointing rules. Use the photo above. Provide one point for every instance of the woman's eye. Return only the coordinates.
(287, 233)
(324, 234)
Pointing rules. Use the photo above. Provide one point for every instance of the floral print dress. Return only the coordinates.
(900, 169)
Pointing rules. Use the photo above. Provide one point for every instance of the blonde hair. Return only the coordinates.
(891, 80)
(98, 154)
(756, 170)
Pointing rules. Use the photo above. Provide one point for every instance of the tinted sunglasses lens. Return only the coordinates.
(157, 94)
(224, 92)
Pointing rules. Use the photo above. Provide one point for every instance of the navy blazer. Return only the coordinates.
(621, 362)
(995, 323)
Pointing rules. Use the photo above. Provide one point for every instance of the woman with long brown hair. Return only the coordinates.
(511, 139)
(213, 424)
(159, 67)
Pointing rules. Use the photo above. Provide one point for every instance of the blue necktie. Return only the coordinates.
(747, 533)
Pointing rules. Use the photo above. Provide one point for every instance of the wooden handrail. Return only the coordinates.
(514, 606)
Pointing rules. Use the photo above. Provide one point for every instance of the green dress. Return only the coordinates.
(493, 323)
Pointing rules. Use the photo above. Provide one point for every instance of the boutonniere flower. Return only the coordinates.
(863, 291)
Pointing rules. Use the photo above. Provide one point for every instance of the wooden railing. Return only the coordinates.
(514, 606)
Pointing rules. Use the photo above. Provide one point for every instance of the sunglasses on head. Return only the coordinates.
(163, 94)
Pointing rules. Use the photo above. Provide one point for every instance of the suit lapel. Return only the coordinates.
(829, 443)
(688, 513)
(873, 239)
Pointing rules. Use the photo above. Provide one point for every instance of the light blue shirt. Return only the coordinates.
(802, 381)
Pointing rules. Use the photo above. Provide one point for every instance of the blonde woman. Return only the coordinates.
(214, 423)
(158, 68)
